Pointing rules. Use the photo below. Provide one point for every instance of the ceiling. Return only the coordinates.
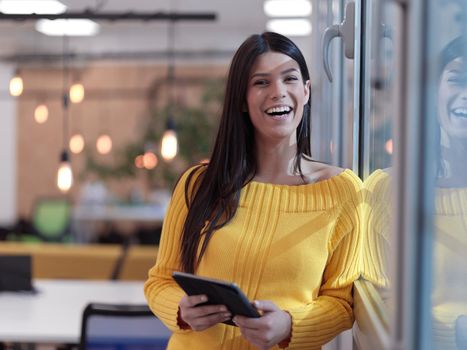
(212, 40)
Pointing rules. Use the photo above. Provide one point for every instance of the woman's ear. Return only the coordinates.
(307, 91)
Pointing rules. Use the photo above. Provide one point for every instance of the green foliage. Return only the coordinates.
(195, 127)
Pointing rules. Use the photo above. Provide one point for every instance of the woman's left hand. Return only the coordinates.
(268, 330)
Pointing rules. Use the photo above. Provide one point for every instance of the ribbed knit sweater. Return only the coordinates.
(449, 265)
(375, 225)
(294, 245)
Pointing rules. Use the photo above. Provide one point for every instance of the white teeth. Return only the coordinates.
(460, 112)
(281, 109)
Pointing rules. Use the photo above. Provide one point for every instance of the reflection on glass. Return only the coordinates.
(449, 293)
(449, 296)
(379, 146)
(376, 243)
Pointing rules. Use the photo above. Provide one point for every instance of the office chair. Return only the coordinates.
(50, 222)
(52, 218)
(121, 327)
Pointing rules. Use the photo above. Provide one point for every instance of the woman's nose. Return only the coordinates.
(463, 94)
(278, 91)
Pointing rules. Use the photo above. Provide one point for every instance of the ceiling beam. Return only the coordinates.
(116, 16)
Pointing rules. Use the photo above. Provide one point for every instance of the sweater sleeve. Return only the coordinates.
(161, 291)
(316, 323)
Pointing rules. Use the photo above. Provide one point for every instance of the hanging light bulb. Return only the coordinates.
(41, 114)
(77, 93)
(104, 144)
(64, 174)
(150, 160)
(139, 161)
(16, 85)
(389, 146)
(169, 146)
(76, 143)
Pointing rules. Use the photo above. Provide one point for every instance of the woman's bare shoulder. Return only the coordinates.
(317, 171)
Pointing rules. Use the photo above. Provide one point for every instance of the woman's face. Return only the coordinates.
(452, 99)
(276, 95)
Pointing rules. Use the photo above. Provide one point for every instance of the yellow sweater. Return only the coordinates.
(375, 225)
(294, 245)
(450, 265)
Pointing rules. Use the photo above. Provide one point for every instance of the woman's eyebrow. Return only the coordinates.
(259, 74)
(289, 70)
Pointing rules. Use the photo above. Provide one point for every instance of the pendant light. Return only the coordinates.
(104, 141)
(16, 84)
(77, 91)
(65, 173)
(104, 144)
(149, 159)
(76, 144)
(169, 143)
(41, 113)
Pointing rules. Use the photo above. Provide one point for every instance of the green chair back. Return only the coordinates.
(52, 218)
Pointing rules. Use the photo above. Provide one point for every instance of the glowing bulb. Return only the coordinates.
(16, 86)
(104, 144)
(389, 146)
(139, 161)
(76, 143)
(169, 145)
(150, 160)
(64, 174)
(41, 114)
(76, 93)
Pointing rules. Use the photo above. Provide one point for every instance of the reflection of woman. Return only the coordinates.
(261, 214)
(376, 228)
(450, 236)
(450, 247)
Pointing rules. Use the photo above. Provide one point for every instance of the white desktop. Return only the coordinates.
(53, 315)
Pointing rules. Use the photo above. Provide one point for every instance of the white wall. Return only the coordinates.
(7, 149)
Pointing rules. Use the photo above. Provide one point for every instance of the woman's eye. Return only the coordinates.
(291, 78)
(458, 80)
(260, 82)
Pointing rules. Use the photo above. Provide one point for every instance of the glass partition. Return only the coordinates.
(447, 52)
(415, 108)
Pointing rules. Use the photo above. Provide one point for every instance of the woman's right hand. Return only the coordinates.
(201, 317)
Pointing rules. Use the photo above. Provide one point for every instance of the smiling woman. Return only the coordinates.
(276, 97)
(264, 215)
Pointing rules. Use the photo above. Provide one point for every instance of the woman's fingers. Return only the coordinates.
(200, 317)
(202, 323)
(202, 311)
(193, 300)
(267, 330)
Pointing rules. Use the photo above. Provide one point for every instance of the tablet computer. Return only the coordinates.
(218, 293)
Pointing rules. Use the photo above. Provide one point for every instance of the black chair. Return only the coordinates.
(122, 327)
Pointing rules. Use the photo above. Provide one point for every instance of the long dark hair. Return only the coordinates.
(216, 193)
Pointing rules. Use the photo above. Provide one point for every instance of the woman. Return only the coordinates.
(263, 215)
(450, 237)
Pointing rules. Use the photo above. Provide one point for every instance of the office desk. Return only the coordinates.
(53, 315)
